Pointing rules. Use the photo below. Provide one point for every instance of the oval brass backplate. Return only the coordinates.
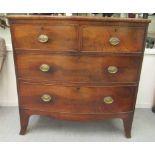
(46, 98)
(44, 67)
(114, 41)
(43, 38)
(108, 100)
(112, 69)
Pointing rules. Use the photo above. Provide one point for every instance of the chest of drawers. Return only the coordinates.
(77, 68)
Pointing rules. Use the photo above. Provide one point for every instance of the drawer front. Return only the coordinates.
(93, 69)
(45, 37)
(70, 99)
(112, 39)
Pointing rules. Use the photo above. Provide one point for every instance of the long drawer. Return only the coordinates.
(82, 68)
(71, 99)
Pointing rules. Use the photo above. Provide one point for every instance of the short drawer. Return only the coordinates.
(82, 68)
(54, 38)
(112, 38)
(71, 99)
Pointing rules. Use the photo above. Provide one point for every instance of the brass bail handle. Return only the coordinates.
(114, 41)
(108, 100)
(46, 98)
(44, 67)
(43, 38)
(112, 69)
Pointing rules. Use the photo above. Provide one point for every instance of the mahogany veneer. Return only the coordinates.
(85, 68)
(78, 68)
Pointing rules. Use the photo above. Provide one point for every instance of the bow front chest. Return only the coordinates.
(77, 68)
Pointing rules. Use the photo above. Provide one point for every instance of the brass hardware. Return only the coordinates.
(43, 38)
(46, 98)
(112, 69)
(114, 41)
(44, 67)
(108, 100)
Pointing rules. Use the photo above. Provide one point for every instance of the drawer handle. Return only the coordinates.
(43, 38)
(44, 67)
(114, 41)
(112, 69)
(108, 100)
(46, 98)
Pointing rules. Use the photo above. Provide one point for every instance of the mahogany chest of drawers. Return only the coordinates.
(77, 68)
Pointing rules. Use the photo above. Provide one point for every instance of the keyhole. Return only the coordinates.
(78, 88)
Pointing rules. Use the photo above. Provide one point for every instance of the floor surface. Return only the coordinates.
(44, 129)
